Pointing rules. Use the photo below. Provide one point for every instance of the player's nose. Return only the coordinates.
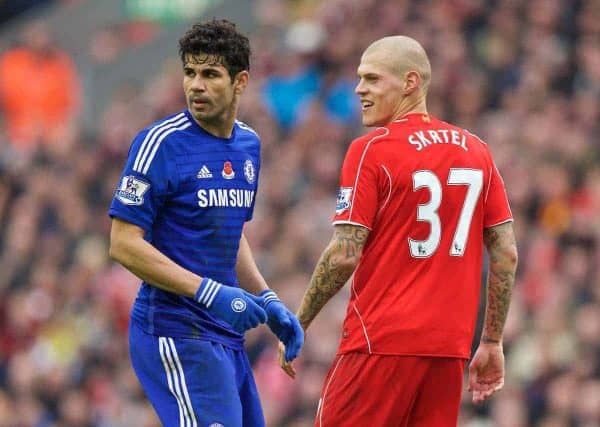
(198, 84)
(360, 88)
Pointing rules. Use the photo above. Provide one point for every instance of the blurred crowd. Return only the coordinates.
(523, 75)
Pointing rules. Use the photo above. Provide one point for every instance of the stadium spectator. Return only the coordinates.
(39, 90)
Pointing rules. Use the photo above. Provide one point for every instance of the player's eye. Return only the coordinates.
(189, 72)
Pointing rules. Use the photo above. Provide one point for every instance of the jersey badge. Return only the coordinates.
(343, 200)
(131, 191)
(228, 172)
(204, 172)
(249, 171)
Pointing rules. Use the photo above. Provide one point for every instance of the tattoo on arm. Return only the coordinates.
(336, 265)
(502, 250)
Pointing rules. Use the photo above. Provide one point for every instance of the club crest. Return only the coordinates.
(249, 171)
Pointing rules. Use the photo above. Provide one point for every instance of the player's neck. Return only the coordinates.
(222, 126)
(410, 105)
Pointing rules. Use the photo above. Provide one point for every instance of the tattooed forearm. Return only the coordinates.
(336, 265)
(502, 249)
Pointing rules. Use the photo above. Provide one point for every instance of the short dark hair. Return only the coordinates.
(219, 38)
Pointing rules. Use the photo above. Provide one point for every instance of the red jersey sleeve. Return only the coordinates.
(497, 209)
(357, 199)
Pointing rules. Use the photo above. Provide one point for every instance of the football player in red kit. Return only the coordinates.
(418, 199)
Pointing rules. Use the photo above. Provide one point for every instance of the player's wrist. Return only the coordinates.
(490, 340)
(269, 296)
(207, 291)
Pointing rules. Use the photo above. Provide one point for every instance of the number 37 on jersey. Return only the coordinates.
(473, 180)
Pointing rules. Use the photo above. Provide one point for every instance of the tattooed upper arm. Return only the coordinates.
(349, 240)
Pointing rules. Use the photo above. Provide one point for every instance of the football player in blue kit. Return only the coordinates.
(187, 189)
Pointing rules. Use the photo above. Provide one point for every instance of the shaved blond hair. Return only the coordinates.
(402, 54)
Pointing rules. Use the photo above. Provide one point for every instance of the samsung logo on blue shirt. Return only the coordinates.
(222, 197)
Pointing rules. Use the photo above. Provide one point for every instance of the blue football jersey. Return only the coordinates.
(191, 192)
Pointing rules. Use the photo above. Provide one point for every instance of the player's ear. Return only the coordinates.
(412, 81)
(240, 81)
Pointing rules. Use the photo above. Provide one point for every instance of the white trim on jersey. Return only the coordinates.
(387, 199)
(501, 222)
(341, 221)
(487, 190)
(322, 399)
(387, 131)
(476, 137)
(157, 144)
(246, 127)
(362, 323)
(176, 381)
(150, 135)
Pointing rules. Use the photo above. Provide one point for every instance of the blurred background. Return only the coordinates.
(78, 79)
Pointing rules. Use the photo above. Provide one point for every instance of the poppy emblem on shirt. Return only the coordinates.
(343, 200)
(228, 172)
(249, 171)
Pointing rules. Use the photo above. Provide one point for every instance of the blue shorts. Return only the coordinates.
(195, 383)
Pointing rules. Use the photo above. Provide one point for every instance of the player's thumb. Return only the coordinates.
(473, 377)
(255, 298)
(257, 305)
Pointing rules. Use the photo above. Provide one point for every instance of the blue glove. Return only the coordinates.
(235, 306)
(283, 324)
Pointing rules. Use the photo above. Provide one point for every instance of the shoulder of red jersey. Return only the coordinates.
(363, 142)
(477, 138)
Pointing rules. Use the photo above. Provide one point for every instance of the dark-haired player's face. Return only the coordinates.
(209, 90)
(379, 89)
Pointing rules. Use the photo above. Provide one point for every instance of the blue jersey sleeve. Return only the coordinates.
(250, 211)
(148, 177)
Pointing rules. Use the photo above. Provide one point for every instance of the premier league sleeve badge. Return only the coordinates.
(131, 190)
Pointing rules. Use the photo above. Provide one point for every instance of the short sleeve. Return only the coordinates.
(497, 208)
(357, 199)
(250, 212)
(146, 180)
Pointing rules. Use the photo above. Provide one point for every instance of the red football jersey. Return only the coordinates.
(426, 190)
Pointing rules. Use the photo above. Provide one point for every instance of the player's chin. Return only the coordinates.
(366, 121)
(369, 121)
(199, 114)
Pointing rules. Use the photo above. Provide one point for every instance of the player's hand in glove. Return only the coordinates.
(284, 324)
(235, 306)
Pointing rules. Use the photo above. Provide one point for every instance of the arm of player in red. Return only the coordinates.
(486, 370)
(335, 266)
